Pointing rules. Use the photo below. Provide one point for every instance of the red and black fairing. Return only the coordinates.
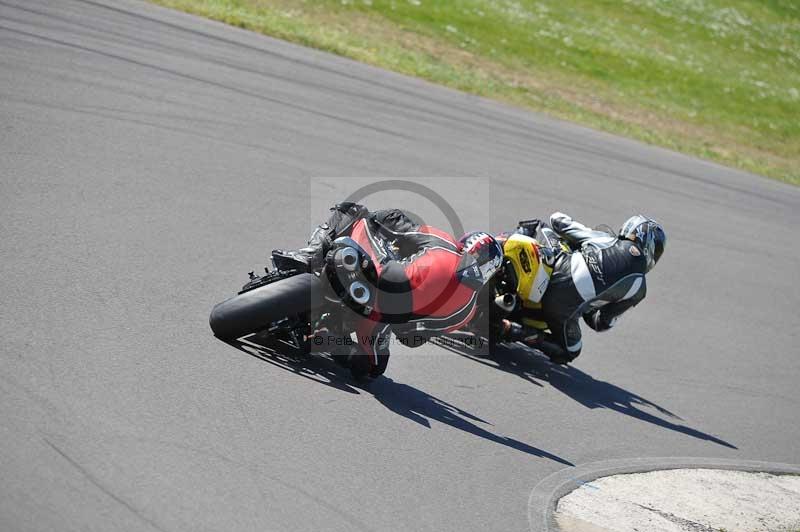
(421, 286)
(419, 292)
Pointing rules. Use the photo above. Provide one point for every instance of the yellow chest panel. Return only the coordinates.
(533, 276)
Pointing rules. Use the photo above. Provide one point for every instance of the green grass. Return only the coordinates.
(714, 78)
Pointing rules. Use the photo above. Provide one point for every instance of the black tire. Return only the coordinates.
(252, 311)
(359, 367)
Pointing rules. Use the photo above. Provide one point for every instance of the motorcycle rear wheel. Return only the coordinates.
(257, 309)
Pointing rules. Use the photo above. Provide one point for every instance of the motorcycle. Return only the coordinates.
(286, 309)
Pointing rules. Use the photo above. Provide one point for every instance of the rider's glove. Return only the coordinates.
(528, 227)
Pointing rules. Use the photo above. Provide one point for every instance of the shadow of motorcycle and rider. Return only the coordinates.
(402, 399)
(422, 408)
(536, 368)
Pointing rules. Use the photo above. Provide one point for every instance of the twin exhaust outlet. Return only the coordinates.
(349, 259)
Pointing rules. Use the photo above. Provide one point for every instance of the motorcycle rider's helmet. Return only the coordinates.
(648, 234)
(482, 257)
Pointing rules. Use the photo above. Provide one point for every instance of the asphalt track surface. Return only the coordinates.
(149, 159)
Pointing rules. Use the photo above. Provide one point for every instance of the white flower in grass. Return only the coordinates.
(794, 93)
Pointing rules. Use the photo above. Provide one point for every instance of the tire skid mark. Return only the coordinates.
(209, 82)
(391, 106)
(257, 475)
(99, 485)
(523, 130)
(680, 521)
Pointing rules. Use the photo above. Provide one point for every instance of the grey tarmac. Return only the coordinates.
(150, 158)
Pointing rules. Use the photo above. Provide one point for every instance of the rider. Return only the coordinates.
(601, 277)
(427, 285)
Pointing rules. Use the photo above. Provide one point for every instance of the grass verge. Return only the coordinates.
(719, 79)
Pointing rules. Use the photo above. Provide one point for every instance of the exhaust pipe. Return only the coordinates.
(507, 302)
(359, 292)
(349, 259)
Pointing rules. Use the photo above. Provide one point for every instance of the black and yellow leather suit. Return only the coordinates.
(595, 276)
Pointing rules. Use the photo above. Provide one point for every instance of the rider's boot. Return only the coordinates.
(310, 258)
(305, 259)
(556, 353)
(302, 259)
(511, 331)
